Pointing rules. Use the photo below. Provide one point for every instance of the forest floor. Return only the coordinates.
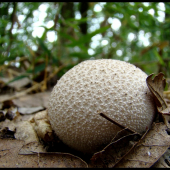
(27, 139)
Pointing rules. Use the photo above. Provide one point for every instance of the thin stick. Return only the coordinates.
(116, 123)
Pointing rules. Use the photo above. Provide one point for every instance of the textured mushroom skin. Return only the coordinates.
(115, 88)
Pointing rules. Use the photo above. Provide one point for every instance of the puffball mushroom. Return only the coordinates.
(116, 88)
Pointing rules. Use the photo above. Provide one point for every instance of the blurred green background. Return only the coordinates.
(40, 36)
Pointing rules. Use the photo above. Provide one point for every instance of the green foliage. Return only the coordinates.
(103, 40)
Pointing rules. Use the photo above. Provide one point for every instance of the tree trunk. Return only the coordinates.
(84, 6)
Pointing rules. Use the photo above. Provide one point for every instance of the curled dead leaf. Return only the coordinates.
(156, 86)
(42, 126)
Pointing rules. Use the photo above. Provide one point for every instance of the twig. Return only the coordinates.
(116, 123)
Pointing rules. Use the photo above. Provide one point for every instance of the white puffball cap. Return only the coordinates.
(115, 88)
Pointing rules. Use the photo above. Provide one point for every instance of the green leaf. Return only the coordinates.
(158, 57)
(43, 46)
(64, 35)
(17, 78)
(80, 55)
(37, 69)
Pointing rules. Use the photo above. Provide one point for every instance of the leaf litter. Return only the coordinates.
(25, 139)
(157, 86)
(10, 157)
(149, 149)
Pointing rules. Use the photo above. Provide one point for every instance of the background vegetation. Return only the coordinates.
(36, 38)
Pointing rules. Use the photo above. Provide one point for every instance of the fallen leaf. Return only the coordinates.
(8, 124)
(42, 126)
(60, 160)
(164, 161)
(149, 149)
(9, 152)
(17, 84)
(32, 147)
(11, 158)
(157, 86)
(25, 132)
(120, 134)
(27, 161)
(29, 110)
(33, 100)
(113, 152)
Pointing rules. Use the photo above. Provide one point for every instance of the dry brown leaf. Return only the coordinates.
(18, 85)
(9, 152)
(149, 149)
(27, 161)
(42, 126)
(120, 134)
(32, 147)
(33, 100)
(8, 124)
(157, 86)
(60, 160)
(29, 110)
(11, 158)
(25, 131)
(164, 161)
(113, 152)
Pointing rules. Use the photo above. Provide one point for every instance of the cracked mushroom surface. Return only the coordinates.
(115, 88)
